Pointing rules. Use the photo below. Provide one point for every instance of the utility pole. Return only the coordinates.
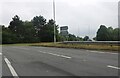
(54, 21)
(119, 14)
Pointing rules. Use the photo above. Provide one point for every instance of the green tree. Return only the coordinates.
(47, 31)
(116, 34)
(61, 38)
(79, 38)
(110, 33)
(8, 36)
(94, 38)
(17, 27)
(1, 33)
(102, 33)
(29, 32)
(71, 37)
(38, 22)
(86, 38)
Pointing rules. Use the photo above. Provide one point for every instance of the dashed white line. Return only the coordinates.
(21, 48)
(42, 52)
(65, 56)
(113, 67)
(97, 52)
(54, 54)
(24, 48)
(113, 53)
(100, 52)
(68, 57)
(12, 70)
(0, 53)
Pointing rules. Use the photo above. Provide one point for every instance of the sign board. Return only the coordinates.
(64, 30)
(64, 33)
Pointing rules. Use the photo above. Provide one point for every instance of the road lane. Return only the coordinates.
(29, 61)
(83, 55)
(0, 65)
(0, 61)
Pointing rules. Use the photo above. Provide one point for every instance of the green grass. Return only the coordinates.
(76, 46)
(22, 44)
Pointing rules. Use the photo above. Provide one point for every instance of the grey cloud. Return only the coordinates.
(82, 18)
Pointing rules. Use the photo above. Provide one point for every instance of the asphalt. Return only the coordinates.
(0, 61)
(44, 61)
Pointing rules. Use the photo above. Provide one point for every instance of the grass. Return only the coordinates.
(76, 46)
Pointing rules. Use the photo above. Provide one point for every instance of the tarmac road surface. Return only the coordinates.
(45, 61)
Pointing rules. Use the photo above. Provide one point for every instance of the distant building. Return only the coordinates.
(64, 30)
(119, 14)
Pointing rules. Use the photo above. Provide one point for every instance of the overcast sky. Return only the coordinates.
(83, 17)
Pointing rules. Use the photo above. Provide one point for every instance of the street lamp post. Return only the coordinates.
(54, 21)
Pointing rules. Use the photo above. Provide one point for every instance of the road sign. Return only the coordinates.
(64, 30)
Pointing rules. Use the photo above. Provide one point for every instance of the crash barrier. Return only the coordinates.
(93, 42)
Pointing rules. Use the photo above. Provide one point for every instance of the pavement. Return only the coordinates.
(46, 61)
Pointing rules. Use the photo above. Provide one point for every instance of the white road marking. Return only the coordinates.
(97, 52)
(12, 70)
(68, 57)
(113, 53)
(113, 67)
(42, 52)
(100, 52)
(65, 56)
(21, 48)
(24, 48)
(54, 54)
(0, 53)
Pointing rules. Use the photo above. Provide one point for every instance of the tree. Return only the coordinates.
(71, 37)
(79, 38)
(61, 38)
(94, 38)
(47, 31)
(38, 23)
(110, 33)
(16, 26)
(102, 34)
(8, 36)
(1, 33)
(29, 32)
(86, 38)
(116, 34)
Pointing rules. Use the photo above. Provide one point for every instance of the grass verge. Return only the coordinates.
(75, 46)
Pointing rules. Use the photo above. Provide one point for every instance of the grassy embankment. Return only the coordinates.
(76, 46)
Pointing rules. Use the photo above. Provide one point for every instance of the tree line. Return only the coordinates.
(107, 34)
(36, 30)
(39, 30)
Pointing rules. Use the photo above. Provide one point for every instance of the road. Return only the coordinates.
(44, 61)
(0, 61)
